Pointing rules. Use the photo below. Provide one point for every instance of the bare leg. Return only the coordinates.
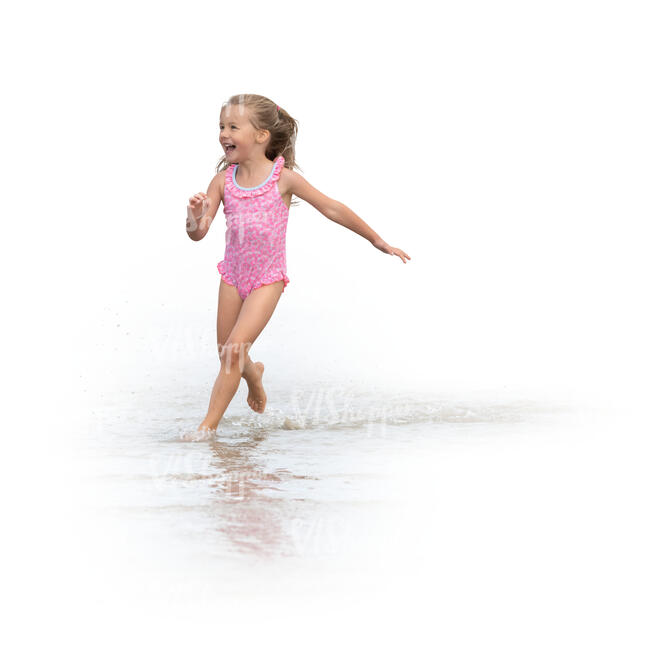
(230, 304)
(224, 389)
(255, 313)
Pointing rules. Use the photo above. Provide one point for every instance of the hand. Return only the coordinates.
(391, 250)
(197, 207)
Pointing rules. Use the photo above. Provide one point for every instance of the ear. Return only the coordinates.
(262, 135)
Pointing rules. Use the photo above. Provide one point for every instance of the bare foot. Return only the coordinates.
(256, 396)
(200, 434)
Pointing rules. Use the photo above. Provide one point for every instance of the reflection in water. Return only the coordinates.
(243, 507)
(305, 479)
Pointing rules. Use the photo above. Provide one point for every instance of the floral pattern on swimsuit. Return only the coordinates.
(256, 227)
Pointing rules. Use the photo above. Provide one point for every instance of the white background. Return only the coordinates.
(503, 145)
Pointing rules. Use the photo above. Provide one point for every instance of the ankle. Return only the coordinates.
(249, 366)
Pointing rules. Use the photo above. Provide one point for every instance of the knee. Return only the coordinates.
(233, 355)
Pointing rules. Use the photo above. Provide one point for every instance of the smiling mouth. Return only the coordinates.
(230, 147)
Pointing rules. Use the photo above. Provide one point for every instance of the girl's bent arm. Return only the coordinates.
(197, 227)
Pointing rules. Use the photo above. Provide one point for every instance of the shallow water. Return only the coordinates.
(345, 502)
(299, 480)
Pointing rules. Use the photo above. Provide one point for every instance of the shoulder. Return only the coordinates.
(218, 182)
(295, 183)
(287, 173)
(288, 180)
(221, 176)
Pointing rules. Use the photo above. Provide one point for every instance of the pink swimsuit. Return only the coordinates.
(256, 221)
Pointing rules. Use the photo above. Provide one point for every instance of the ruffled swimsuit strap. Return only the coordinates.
(243, 193)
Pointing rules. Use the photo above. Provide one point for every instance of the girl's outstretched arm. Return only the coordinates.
(338, 212)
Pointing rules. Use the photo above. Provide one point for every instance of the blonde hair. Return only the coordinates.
(265, 114)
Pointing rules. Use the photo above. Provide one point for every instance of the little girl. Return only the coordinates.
(256, 181)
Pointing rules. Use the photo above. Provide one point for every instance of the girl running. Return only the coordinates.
(255, 180)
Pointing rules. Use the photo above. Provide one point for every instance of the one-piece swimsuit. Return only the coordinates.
(256, 228)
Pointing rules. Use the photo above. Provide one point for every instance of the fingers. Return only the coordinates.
(401, 254)
(392, 250)
(197, 198)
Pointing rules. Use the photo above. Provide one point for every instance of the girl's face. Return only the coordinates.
(236, 133)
